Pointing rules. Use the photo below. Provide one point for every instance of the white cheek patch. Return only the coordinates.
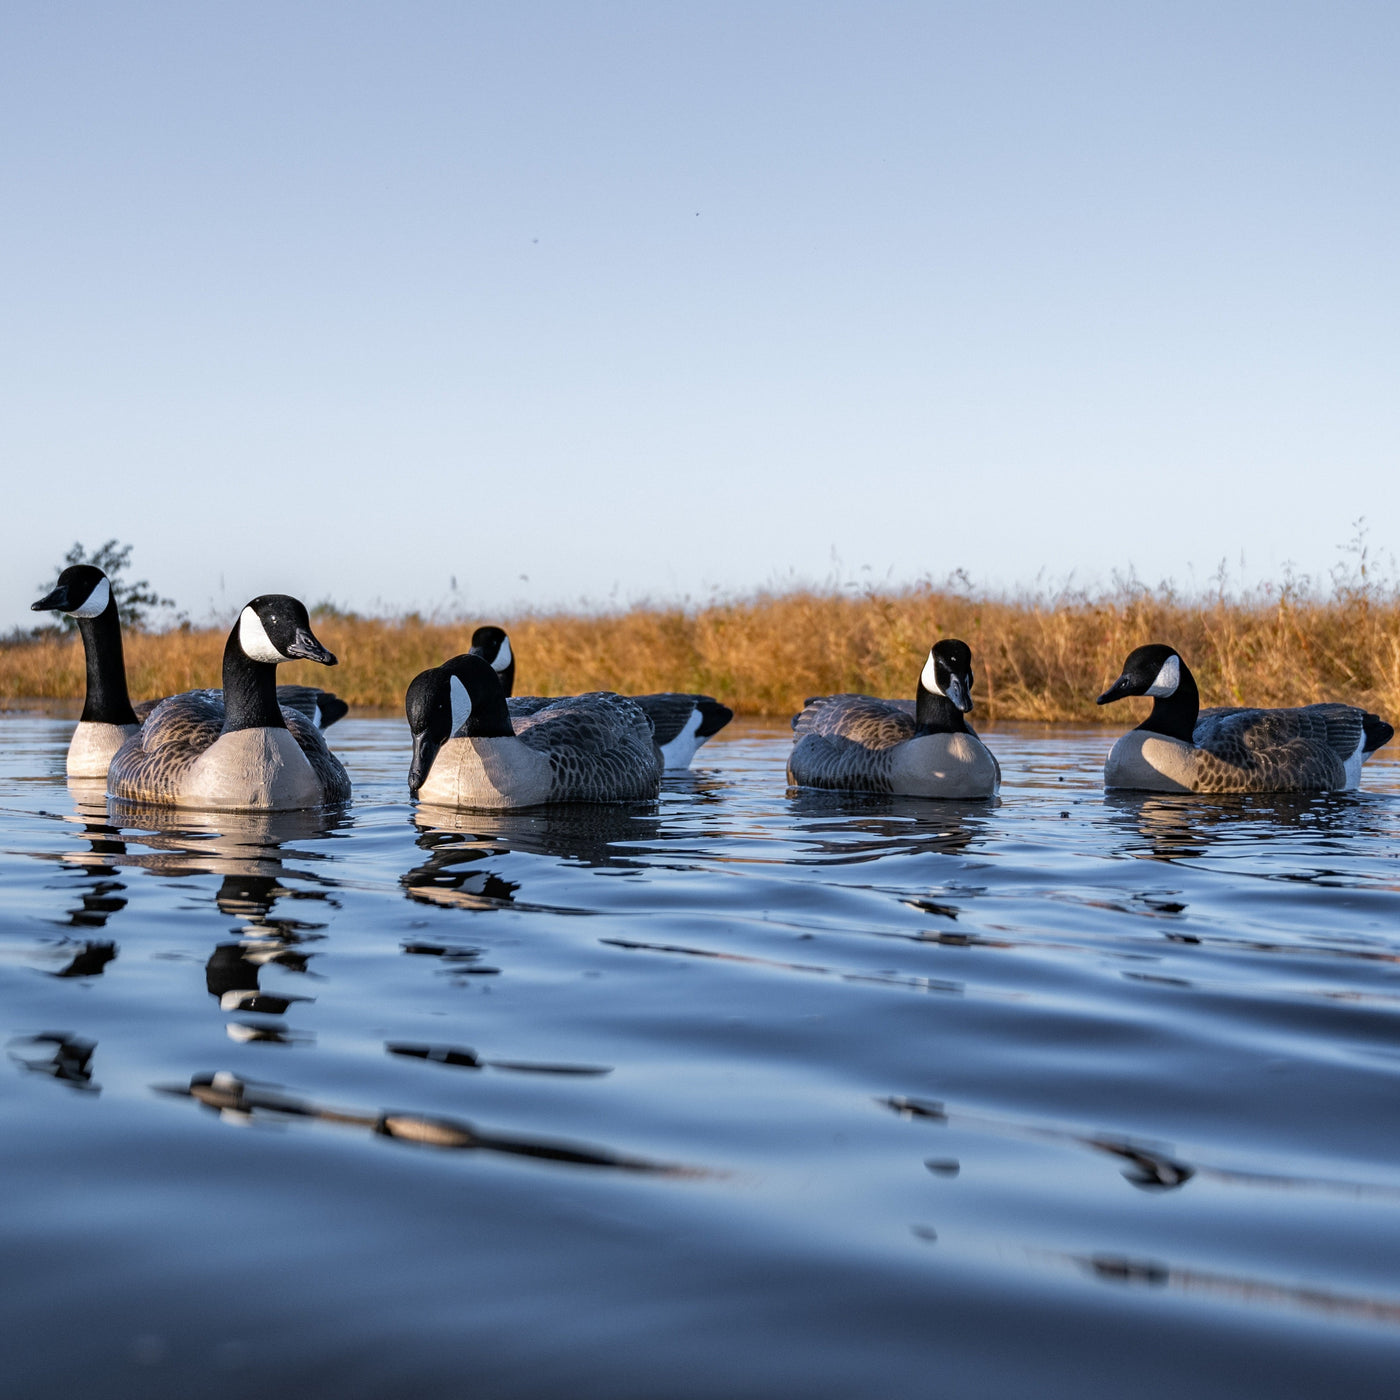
(96, 603)
(929, 676)
(1168, 678)
(253, 638)
(503, 657)
(461, 703)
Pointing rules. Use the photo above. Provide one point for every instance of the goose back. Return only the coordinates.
(856, 743)
(169, 760)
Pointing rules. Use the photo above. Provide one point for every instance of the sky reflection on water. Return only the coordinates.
(741, 1093)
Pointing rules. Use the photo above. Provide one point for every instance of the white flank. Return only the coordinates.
(1353, 764)
(253, 638)
(96, 603)
(461, 703)
(681, 749)
(503, 657)
(1168, 678)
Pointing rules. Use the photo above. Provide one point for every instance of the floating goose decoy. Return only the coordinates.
(854, 743)
(237, 749)
(1181, 748)
(680, 720)
(474, 748)
(84, 592)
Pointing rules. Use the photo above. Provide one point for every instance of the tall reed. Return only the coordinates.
(1036, 658)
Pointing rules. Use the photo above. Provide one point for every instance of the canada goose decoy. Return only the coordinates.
(237, 749)
(474, 748)
(681, 721)
(854, 743)
(84, 592)
(1181, 748)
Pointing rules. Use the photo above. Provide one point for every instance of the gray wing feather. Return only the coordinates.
(152, 764)
(1251, 750)
(844, 741)
(599, 745)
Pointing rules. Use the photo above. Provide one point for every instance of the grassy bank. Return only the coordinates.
(1036, 658)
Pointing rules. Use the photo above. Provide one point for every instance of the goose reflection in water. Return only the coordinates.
(260, 863)
(594, 836)
(1186, 826)
(845, 828)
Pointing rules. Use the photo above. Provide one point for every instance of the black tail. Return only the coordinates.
(331, 708)
(713, 716)
(1377, 732)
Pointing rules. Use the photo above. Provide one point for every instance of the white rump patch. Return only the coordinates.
(503, 657)
(253, 638)
(681, 749)
(96, 603)
(461, 703)
(1168, 678)
(1353, 764)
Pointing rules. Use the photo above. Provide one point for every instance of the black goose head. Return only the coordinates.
(463, 694)
(493, 646)
(428, 705)
(274, 628)
(1151, 670)
(948, 672)
(82, 590)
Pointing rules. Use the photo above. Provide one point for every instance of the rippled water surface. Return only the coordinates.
(743, 1094)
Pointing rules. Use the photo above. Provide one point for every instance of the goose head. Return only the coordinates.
(1151, 670)
(274, 628)
(463, 694)
(82, 591)
(493, 646)
(948, 672)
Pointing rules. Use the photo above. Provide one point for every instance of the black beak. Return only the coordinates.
(1121, 687)
(56, 601)
(425, 750)
(960, 693)
(305, 647)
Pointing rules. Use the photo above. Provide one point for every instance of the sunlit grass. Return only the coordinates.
(1036, 657)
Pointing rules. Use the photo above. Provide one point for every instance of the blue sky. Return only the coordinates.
(612, 301)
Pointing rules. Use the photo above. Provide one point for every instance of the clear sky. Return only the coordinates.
(605, 301)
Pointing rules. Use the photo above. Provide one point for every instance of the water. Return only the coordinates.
(739, 1095)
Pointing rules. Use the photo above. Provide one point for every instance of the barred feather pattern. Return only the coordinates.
(1301, 750)
(152, 765)
(600, 746)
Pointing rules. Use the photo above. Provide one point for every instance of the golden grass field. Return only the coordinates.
(1035, 658)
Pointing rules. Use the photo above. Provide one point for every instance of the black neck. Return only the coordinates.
(936, 714)
(490, 716)
(1175, 715)
(250, 690)
(107, 700)
(508, 677)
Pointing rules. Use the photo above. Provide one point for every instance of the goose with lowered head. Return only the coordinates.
(855, 743)
(473, 747)
(1180, 747)
(109, 719)
(237, 749)
(681, 721)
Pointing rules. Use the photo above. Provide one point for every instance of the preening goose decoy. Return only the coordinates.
(1181, 748)
(854, 743)
(681, 721)
(84, 592)
(474, 748)
(237, 749)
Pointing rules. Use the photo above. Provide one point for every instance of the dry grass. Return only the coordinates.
(1036, 658)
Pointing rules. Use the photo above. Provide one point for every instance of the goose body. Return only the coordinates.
(474, 748)
(681, 721)
(109, 718)
(856, 743)
(1182, 748)
(237, 749)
